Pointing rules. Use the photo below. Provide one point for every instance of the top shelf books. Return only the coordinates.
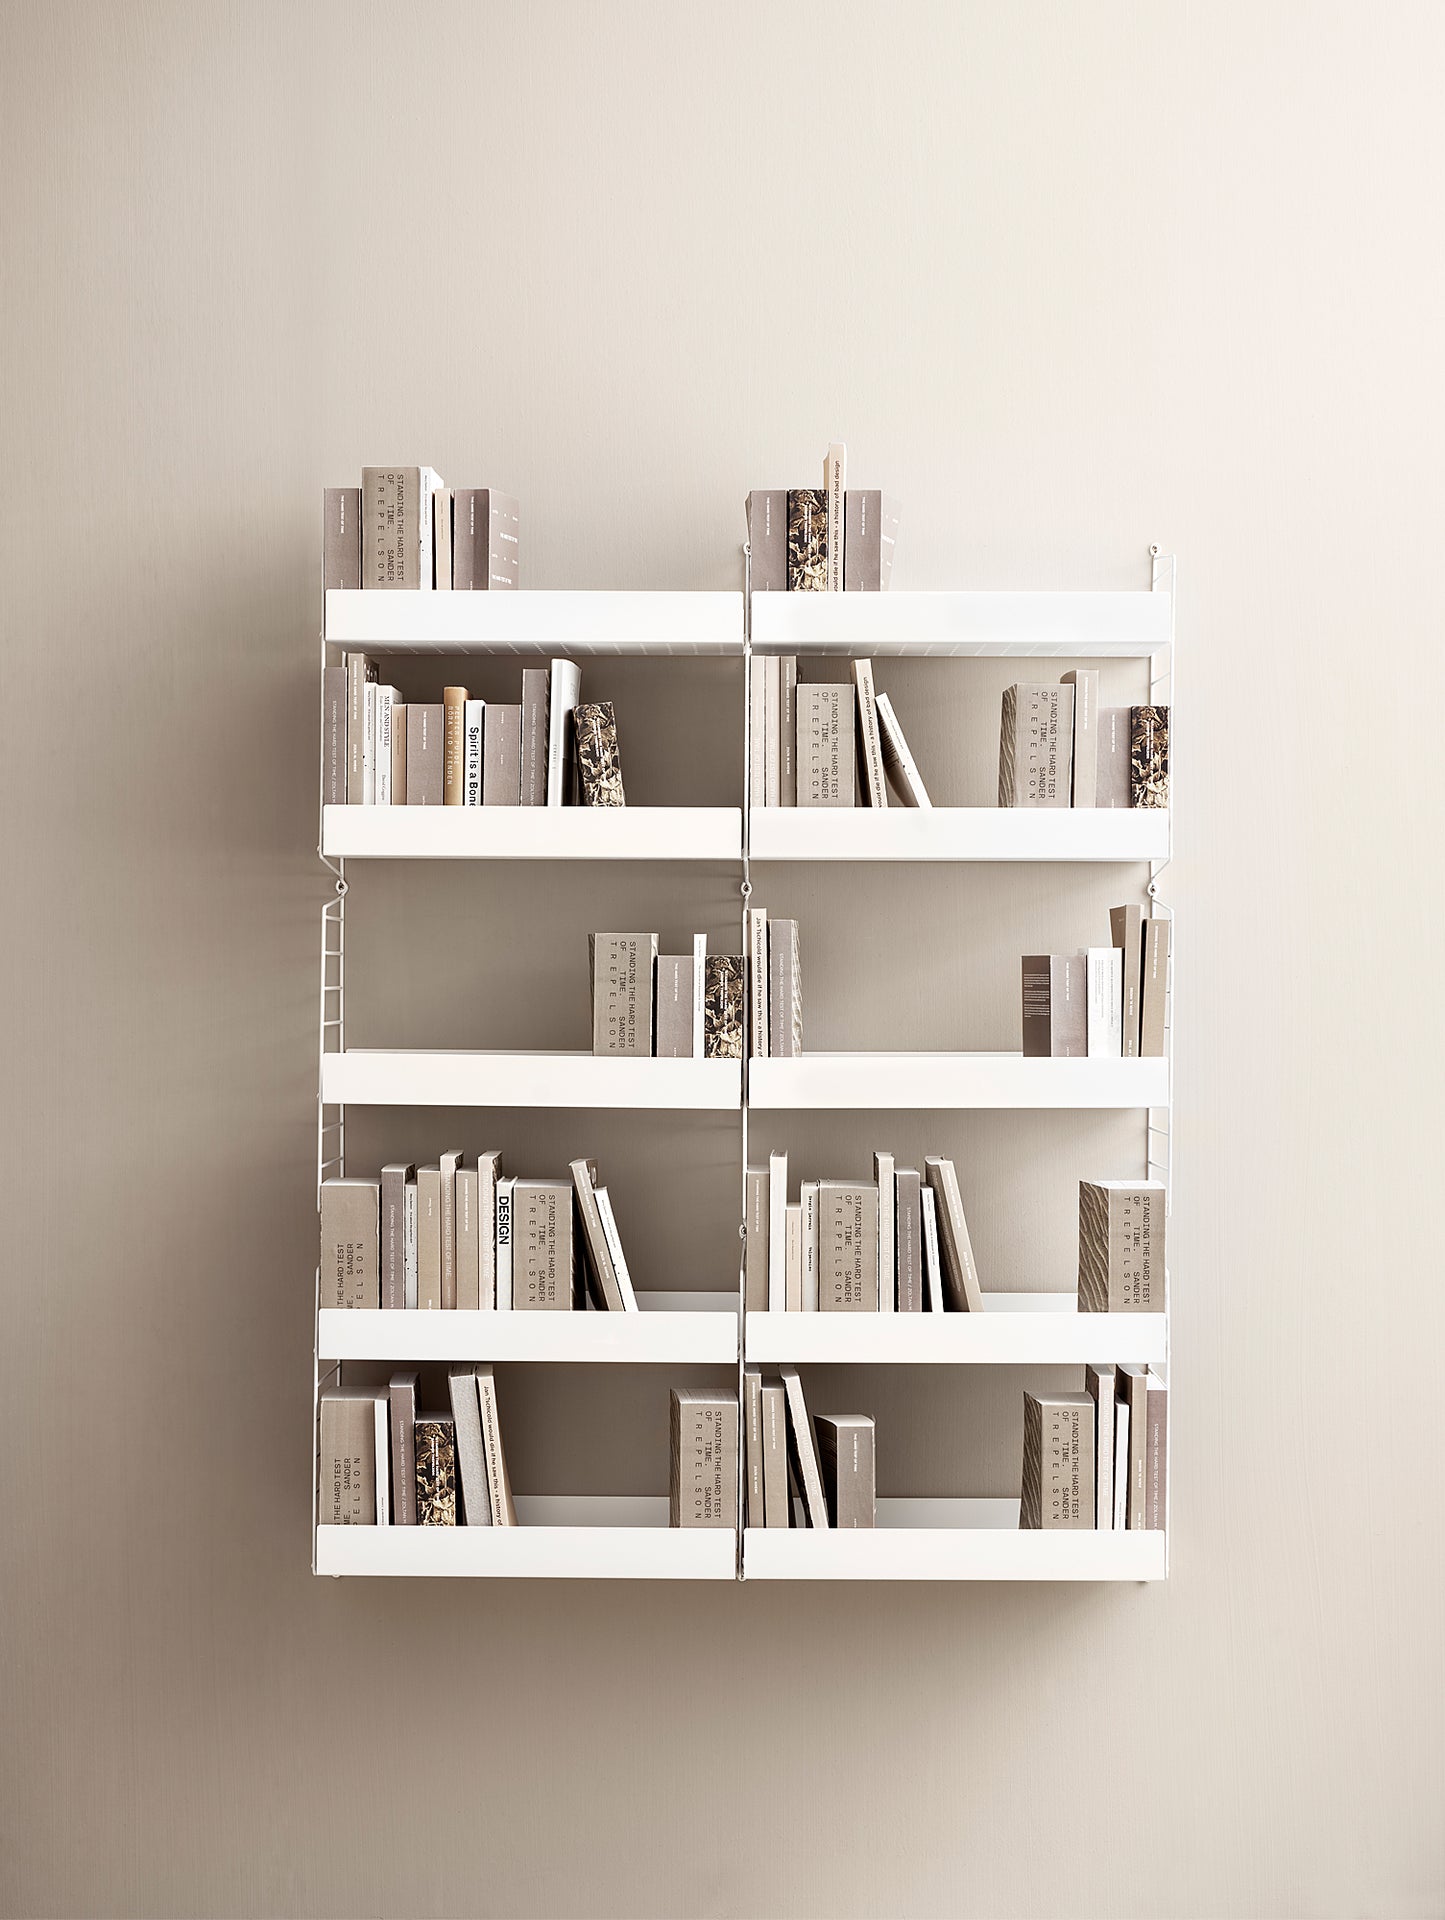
(542, 624)
(1061, 626)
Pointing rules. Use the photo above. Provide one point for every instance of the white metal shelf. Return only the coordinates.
(537, 623)
(670, 1329)
(950, 1540)
(382, 1078)
(804, 834)
(1014, 1330)
(940, 1082)
(532, 833)
(1083, 626)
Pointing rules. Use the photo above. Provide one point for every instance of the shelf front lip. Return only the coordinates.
(995, 1337)
(621, 623)
(803, 834)
(941, 1082)
(967, 624)
(532, 833)
(626, 1339)
(943, 1553)
(530, 1552)
(378, 1078)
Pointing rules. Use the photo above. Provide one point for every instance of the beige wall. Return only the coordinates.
(1069, 280)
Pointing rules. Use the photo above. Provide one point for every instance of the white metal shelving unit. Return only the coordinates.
(629, 1538)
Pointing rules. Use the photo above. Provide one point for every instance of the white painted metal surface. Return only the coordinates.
(1014, 1330)
(957, 833)
(532, 833)
(1083, 626)
(687, 1329)
(938, 1082)
(537, 623)
(381, 1078)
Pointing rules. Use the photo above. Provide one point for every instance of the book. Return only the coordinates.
(504, 1512)
(872, 780)
(1154, 992)
(884, 1180)
(1149, 757)
(835, 470)
(793, 1258)
(846, 1465)
(909, 1229)
(454, 751)
(1121, 1463)
(425, 756)
(401, 1397)
(347, 1459)
(1104, 985)
(960, 1274)
(772, 727)
(1084, 775)
(349, 1243)
(385, 707)
(341, 537)
(870, 534)
(596, 1251)
(755, 1240)
(447, 1182)
(767, 523)
(825, 745)
(489, 1169)
(504, 552)
(599, 758)
(333, 736)
(360, 672)
(1035, 753)
(807, 540)
(932, 1256)
(614, 1246)
(534, 736)
(754, 1508)
(469, 1295)
(788, 730)
(543, 1259)
(803, 1452)
(1156, 1453)
(1131, 1386)
(502, 756)
(785, 991)
(1058, 1493)
(758, 982)
(474, 1503)
(699, 996)
(757, 732)
(1099, 1385)
(563, 693)
(469, 539)
(1126, 929)
(703, 1478)
(396, 526)
(623, 967)
(1055, 1005)
(368, 742)
(474, 719)
(723, 1007)
(505, 1188)
(436, 1470)
(898, 762)
(394, 1180)
(411, 1244)
(1112, 758)
(398, 753)
(441, 523)
(380, 1407)
(1121, 1246)
(429, 1238)
(810, 1215)
(777, 1233)
(674, 1006)
(776, 1509)
(847, 1247)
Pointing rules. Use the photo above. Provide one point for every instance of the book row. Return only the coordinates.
(404, 527)
(1059, 748)
(1097, 1459)
(816, 1472)
(550, 748)
(664, 1006)
(822, 744)
(1105, 1002)
(827, 539)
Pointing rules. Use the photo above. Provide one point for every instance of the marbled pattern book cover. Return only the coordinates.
(807, 540)
(1149, 757)
(599, 758)
(436, 1472)
(723, 1007)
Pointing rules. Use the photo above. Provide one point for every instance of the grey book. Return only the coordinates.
(349, 1243)
(425, 755)
(468, 1240)
(1036, 746)
(504, 545)
(909, 1184)
(803, 1451)
(960, 1272)
(534, 736)
(772, 722)
(788, 730)
(870, 529)
(502, 756)
(1154, 990)
(886, 1182)
(469, 539)
(767, 518)
(1149, 757)
(776, 1508)
(1121, 1246)
(563, 692)
(846, 1462)
(359, 670)
(674, 1006)
(847, 1247)
(596, 1251)
(396, 526)
(402, 1395)
(703, 1478)
(898, 762)
(347, 1463)
(1131, 1386)
(785, 990)
(1104, 976)
(1085, 774)
(623, 968)
(757, 733)
(441, 521)
(341, 538)
(599, 757)
(543, 1257)
(410, 1242)
(614, 1246)
(454, 746)
(1112, 755)
(448, 1182)
(489, 1169)
(756, 1515)
(755, 1241)
(723, 1007)
(1037, 971)
(1156, 1453)
(807, 540)
(398, 753)
(393, 1233)
(1058, 1492)
(333, 736)
(1126, 929)
(429, 1238)
(758, 985)
(825, 745)
(436, 1470)
(872, 780)
(474, 1506)
(1068, 1006)
(932, 1257)
(1099, 1385)
(504, 1512)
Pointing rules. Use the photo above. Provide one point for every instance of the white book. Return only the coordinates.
(385, 699)
(474, 720)
(772, 729)
(875, 780)
(566, 688)
(887, 1232)
(504, 1243)
(777, 1233)
(1105, 1002)
(1121, 1465)
(758, 982)
(932, 1263)
(898, 761)
(699, 995)
(614, 1247)
(504, 1514)
(430, 482)
(795, 1258)
(810, 1246)
(470, 1464)
(383, 1460)
(757, 734)
(1099, 1382)
(368, 749)
(441, 515)
(410, 1244)
(835, 481)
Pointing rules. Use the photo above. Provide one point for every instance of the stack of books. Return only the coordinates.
(899, 1242)
(1103, 1002)
(664, 1006)
(384, 1464)
(403, 527)
(1059, 748)
(802, 1472)
(1097, 1459)
(817, 744)
(824, 539)
(460, 1236)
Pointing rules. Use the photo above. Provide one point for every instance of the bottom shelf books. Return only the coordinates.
(1097, 1460)
(802, 1472)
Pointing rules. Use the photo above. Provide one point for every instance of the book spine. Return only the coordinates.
(835, 465)
(1126, 931)
(1036, 747)
(341, 542)
(489, 1167)
(385, 697)
(898, 761)
(1156, 1453)
(757, 732)
(347, 1462)
(333, 736)
(474, 1505)
(504, 1512)
(448, 1184)
(398, 753)
(777, 1233)
(887, 1231)
(1104, 984)
(1121, 1465)
(542, 1272)
(809, 1191)
(436, 1471)
(623, 967)
(594, 1239)
(391, 527)
(772, 730)
(368, 744)
(863, 540)
(441, 521)
(847, 1247)
(674, 1006)
(563, 694)
(599, 757)
(703, 1431)
(534, 736)
(1038, 1003)
(468, 1245)
(793, 1258)
(474, 721)
(393, 1235)
(874, 781)
(469, 519)
(502, 756)
(350, 1243)
(932, 1253)
(381, 1411)
(807, 540)
(845, 1455)
(910, 1240)
(1099, 1384)
(788, 731)
(425, 756)
(411, 1244)
(402, 1396)
(723, 1007)
(753, 1398)
(454, 751)
(960, 1271)
(755, 1241)
(429, 1238)
(825, 745)
(758, 982)
(614, 1249)
(1068, 1005)
(1112, 758)
(699, 996)
(1154, 996)
(504, 549)
(505, 1190)
(803, 1451)
(767, 522)
(1085, 775)
(776, 1512)
(888, 516)
(1134, 1381)
(1149, 757)
(785, 996)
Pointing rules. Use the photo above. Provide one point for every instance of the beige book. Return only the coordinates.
(1132, 1390)
(755, 1243)
(475, 1505)
(887, 1231)
(788, 731)
(753, 1481)
(873, 780)
(360, 672)
(960, 1272)
(794, 1261)
(543, 1269)
(350, 1243)
(803, 1451)
(454, 746)
(703, 1483)
(777, 1233)
(847, 1247)
(846, 1459)
(1057, 1494)
(606, 1291)
(346, 1463)
(398, 754)
(1121, 1246)
(429, 1238)
(810, 1207)
(772, 728)
(425, 754)
(504, 1512)
(776, 1509)
(1036, 744)
(441, 520)
(1126, 932)
(341, 542)
(1085, 773)
(448, 1170)
(826, 759)
(1099, 1385)
(468, 1240)
(502, 756)
(489, 1171)
(1154, 994)
(396, 526)
(394, 1178)
(623, 967)
(1156, 1453)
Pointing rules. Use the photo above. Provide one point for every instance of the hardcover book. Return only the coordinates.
(469, 539)
(898, 762)
(847, 1247)
(776, 1510)
(785, 991)
(469, 1295)
(402, 1397)
(755, 1509)
(502, 756)
(543, 1269)
(1058, 1490)
(846, 1463)
(534, 736)
(1099, 1385)
(341, 542)
(767, 519)
(1121, 1457)
(757, 734)
(825, 745)
(474, 722)
(504, 1512)
(1149, 757)
(599, 758)
(960, 1273)
(870, 535)
(474, 1505)
(803, 1451)
(703, 1429)
(1121, 1246)
(1085, 682)
(347, 1462)
(909, 1184)
(807, 540)
(564, 691)
(349, 1243)
(623, 966)
(598, 1254)
(699, 996)
(755, 1242)
(1126, 929)
(425, 754)
(1036, 747)
(333, 736)
(454, 750)
(429, 1238)
(411, 1244)
(394, 1180)
(872, 780)
(436, 1471)
(396, 526)
(1154, 993)
(368, 742)
(835, 469)
(885, 1181)
(674, 1006)
(1115, 744)
(1037, 970)
(723, 1007)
